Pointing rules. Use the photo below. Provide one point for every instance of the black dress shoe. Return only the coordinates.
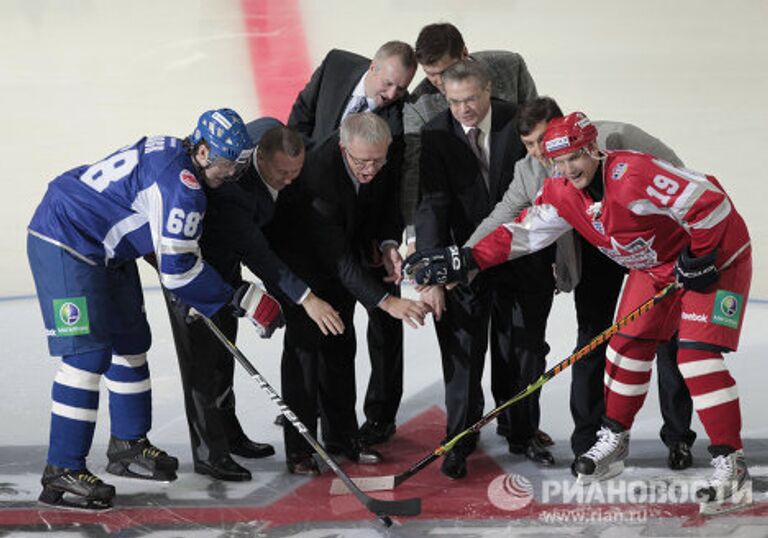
(454, 465)
(223, 468)
(516, 447)
(680, 456)
(544, 438)
(245, 448)
(538, 453)
(304, 465)
(373, 433)
(358, 452)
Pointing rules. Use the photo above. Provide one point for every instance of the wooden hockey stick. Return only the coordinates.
(377, 483)
(382, 509)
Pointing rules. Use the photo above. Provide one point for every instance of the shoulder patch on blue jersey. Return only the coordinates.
(619, 170)
(189, 180)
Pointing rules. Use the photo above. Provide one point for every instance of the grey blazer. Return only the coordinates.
(529, 177)
(511, 82)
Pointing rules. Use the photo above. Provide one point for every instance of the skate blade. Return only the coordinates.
(63, 501)
(614, 469)
(728, 505)
(127, 472)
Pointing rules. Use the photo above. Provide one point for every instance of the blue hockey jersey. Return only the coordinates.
(142, 199)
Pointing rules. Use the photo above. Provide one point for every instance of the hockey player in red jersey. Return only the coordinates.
(663, 223)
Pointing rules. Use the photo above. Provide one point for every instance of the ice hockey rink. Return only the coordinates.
(81, 78)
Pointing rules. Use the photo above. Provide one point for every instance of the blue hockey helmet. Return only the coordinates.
(224, 131)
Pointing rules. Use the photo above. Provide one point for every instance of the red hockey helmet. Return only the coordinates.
(568, 134)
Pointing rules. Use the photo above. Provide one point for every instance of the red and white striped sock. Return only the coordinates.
(714, 394)
(627, 377)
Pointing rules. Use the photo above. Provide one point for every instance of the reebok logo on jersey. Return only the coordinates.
(690, 316)
(189, 180)
(619, 170)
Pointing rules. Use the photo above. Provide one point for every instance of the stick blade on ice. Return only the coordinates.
(365, 483)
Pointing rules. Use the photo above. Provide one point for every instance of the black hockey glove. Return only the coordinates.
(439, 265)
(696, 273)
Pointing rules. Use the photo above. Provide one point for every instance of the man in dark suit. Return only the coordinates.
(233, 235)
(338, 221)
(346, 83)
(467, 160)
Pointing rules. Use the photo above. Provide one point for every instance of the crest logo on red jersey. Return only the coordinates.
(638, 254)
(189, 180)
(619, 170)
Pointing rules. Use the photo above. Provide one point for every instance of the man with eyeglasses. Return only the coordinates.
(438, 47)
(347, 83)
(93, 222)
(666, 225)
(341, 217)
(468, 154)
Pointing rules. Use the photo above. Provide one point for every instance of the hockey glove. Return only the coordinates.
(696, 273)
(259, 307)
(439, 265)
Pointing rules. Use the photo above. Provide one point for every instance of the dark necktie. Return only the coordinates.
(357, 104)
(473, 135)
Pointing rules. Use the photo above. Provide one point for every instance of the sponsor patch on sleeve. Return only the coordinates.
(71, 315)
(189, 179)
(727, 309)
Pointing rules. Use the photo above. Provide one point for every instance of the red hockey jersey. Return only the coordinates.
(649, 212)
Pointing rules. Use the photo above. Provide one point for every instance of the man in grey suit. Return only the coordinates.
(438, 47)
(596, 282)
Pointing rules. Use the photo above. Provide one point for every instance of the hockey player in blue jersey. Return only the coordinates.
(92, 224)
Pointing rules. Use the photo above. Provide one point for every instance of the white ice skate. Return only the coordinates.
(730, 487)
(606, 457)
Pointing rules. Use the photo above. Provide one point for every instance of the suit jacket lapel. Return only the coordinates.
(264, 202)
(345, 88)
(499, 141)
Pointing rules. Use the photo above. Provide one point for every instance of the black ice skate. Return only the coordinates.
(140, 459)
(730, 487)
(606, 457)
(75, 489)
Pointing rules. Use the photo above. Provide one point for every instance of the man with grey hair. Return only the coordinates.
(340, 226)
(468, 154)
(346, 83)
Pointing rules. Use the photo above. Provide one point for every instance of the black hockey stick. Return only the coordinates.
(376, 483)
(382, 509)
